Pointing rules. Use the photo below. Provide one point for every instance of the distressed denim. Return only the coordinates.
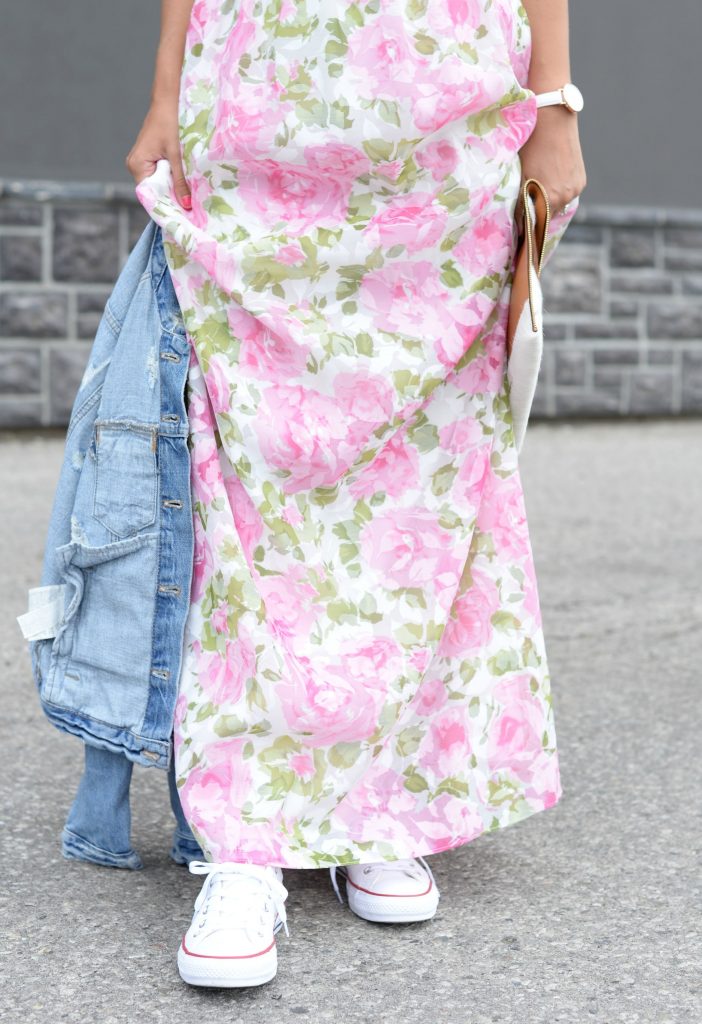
(98, 827)
(105, 627)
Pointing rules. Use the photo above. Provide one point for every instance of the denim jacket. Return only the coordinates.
(105, 627)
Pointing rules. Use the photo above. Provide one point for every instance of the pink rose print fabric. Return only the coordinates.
(364, 673)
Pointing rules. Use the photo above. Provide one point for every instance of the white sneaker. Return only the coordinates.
(231, 941)
(390, 892)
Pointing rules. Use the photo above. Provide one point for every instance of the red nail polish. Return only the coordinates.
(187, 202)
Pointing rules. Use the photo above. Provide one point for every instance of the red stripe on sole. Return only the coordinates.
(211, 956)
(393, 895)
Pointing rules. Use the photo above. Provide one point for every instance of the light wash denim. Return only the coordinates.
(105, 627)
(98, 827)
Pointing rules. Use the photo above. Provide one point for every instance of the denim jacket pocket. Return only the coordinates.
(126, 475)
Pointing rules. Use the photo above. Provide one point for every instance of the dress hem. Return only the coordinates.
(404, 852)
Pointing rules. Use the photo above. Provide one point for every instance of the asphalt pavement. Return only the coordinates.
(589, 912)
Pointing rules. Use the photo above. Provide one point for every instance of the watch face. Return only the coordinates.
(573, 97)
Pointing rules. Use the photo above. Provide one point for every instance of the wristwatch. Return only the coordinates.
(568, 96)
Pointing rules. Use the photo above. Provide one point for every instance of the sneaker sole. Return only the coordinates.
(227, 972)
(393, 910)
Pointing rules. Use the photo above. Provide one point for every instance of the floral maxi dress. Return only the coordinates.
(364, 674)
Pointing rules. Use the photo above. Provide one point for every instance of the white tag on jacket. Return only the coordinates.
(46, 607)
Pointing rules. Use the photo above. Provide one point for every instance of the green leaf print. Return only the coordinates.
(530, 658)
(416, 8)
(378, 150)
(414, 597)
(282, 781)
(453, 238)
(361, 513)
(353, 14)
(218, 206)
(262, 728)
(347, 552)
(273, 496)
(425, 44)
(450, 520)
(360, 210)
(468, 52)
(505, 621)
(409, 634)
(341, 530)
(405, 381)
(334, 49)
(388, 717)
(502, 792)
(467, 671)
(312, 111)
(229, 725)
(434, 631)
(205, 711)
(335, 28)
(408, 741)
(344, 755)
(450, 276)
(342, 611)
(176, 257)
(214, 335)
(280, 750)
(484, 122)
(442, 479)
(323, 495)
(197, 132)
(326, 237)
(455, 198)
(345, 288)
(254, 695)
(364, 344)
(452, 786)
(389, 111)
(503, 661)
(425, 437)
(415, 782)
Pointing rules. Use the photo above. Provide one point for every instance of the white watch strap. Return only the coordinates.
(548, 99)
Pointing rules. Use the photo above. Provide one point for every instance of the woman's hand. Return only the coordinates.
(552, 154)
(159, 139)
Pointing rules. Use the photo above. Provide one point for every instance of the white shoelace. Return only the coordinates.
(250, 881)
(415, 867)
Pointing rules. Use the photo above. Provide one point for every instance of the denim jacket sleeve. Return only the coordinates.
(105, 625)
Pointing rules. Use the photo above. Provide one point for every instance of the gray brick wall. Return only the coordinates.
(61, 248)
(623, 299)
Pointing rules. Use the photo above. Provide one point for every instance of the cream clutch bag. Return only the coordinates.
(525, 334)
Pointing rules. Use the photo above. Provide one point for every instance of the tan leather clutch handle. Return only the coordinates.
(530, 251)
